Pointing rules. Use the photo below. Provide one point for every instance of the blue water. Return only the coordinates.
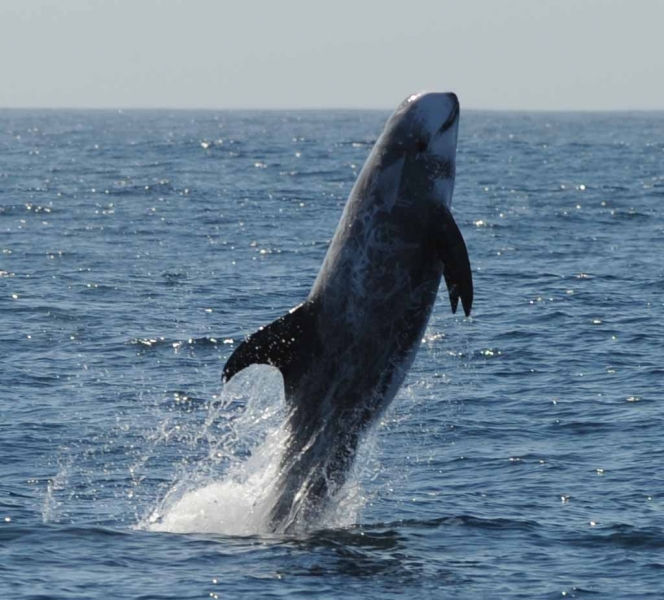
(522, 459)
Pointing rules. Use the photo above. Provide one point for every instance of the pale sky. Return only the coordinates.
(502, 54)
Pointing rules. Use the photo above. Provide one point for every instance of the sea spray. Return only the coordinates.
(226, 491)
(232, 491)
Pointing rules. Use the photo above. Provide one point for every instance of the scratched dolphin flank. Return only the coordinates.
(345, 351)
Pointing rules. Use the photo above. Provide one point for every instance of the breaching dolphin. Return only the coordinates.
(345, 351)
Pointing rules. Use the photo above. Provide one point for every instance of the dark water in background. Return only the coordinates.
(524, 457)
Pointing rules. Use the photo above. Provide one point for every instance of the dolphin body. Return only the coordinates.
(345, 351)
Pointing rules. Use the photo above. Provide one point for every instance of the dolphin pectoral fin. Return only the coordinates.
(452, 252)
(283, 344)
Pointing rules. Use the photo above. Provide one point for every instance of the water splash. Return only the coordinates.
(233, 490)
(237, 504)
(54, 487)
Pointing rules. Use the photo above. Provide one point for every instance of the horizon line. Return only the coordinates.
(319, 108)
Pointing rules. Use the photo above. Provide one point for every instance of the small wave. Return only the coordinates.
(626, 536)
(356, 143)
(476, 523)
(124, 187)
(396, 529)
(29, 208)
(585, 427)
(631, 214)
(176, 278)
(147, 344)
(10, 533)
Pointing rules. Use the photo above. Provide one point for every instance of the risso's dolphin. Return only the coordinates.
(345, 351)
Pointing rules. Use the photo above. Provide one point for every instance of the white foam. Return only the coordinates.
(239, 501)
(238, 504)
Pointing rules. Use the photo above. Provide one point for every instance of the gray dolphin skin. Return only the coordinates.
(345, 351)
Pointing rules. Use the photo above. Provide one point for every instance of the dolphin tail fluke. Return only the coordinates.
(286, 343)
(452, 251)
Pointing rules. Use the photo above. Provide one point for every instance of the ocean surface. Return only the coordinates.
(524, 457)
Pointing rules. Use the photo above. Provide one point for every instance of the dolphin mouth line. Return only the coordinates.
(451, 119)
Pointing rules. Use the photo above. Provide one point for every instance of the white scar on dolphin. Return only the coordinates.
(345, 351)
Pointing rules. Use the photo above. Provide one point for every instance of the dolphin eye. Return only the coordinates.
(421, 145)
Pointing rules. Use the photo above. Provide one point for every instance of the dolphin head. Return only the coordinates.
(421, 136)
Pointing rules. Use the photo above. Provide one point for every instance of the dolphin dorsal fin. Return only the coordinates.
(287, 343)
